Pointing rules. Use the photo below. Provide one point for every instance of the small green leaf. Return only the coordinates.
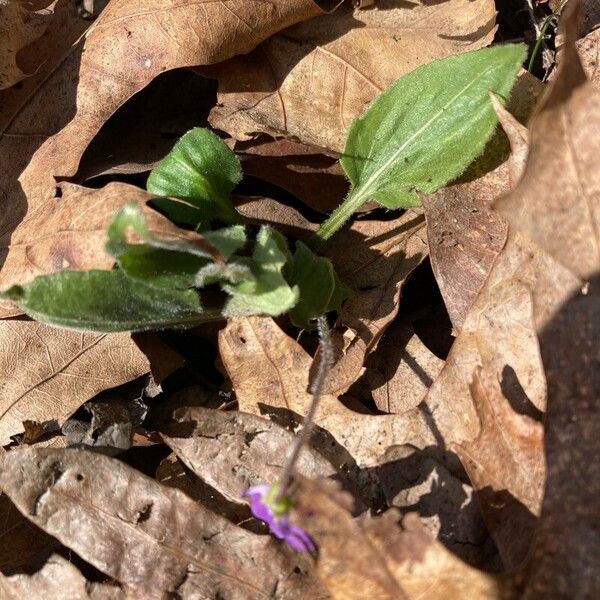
(201, 170)
(106, 301)
(424, 130)
(267, 292)
(169, 262)
(320, 288)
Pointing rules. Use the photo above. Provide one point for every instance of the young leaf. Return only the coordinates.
(425, 130)
(202, 171)
(320, 288)
(106, 301)
(267, 292)
(170, 262)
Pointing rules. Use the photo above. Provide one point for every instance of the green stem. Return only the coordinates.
(339, 216)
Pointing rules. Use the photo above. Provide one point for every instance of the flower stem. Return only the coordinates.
(324, 367)
(339, 216)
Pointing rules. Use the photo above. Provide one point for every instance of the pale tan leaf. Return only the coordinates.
(311, 80)
(21, 22)
(149, 537)
(270, 374)
(48, 373)
(58, 578)
(375, 558)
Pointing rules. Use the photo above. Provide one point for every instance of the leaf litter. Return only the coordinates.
(466, 473)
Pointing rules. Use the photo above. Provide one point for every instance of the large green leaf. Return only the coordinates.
(320, 288)
(266, 292)
(424, 130)
(202, 170)
(170, 262)
(106, 301)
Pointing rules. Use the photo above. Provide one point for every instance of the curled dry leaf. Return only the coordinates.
(20, 24)
(58, 578)
(49, 373)
(232, 451)
(70, 233)
(374, 558)
(311, 80)
(589, 51)
(148, 537)
(506, 465)
(270, 374)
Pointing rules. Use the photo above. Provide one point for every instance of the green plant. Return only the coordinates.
(415, 137)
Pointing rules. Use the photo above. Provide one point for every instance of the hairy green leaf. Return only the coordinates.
(320, 288)
(106, 301)
(424, 130)
(267, 292)
(201, 170)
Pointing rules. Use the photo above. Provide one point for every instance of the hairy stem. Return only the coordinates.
(325, 363)
(338, 217)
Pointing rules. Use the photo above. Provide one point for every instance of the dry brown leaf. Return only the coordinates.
(232, 451)
(374, 558)
(58, 578)
(374, 258)
(70, 233)
(41, 57)
(270, 374)
(21, 542)
(48, 373)
(589, 51)
(21, 22)
(565, 145)
(311, 80)
(149, 537)
(401, 370)
(506, 465)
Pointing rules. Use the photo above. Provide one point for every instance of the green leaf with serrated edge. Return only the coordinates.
(168, 262)
(424, 130)
(320, 288)
(106, 301)
(267, 293)
(201, 170)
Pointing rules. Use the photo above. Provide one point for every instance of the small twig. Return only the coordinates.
(323, 370)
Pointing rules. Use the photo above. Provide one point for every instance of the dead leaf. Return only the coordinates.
(311, 80)
(49, 373)
(506, 466)
(21, 542)
(401, 370)
(565, 145)
(150, 538)
(70, 233)
(232, 451)
(58, 578)
(374, 558)
(270, 374)
(589, 52)
(374, 258)
(42, 57)
(21, 22)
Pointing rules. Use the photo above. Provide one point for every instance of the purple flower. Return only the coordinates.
(266, 507)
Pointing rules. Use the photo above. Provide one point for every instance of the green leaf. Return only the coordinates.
(201, 170)
(106, 301)
(267, 292)
(167, 262)
(424, 130)
(320, 288)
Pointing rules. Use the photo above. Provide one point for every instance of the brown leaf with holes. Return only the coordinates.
(375, 558)
(270, 376)
(506, 466)
(49, 373)
(21, 22)
(151, 538)
(58, 578)
(232, 451)
(311, 80)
